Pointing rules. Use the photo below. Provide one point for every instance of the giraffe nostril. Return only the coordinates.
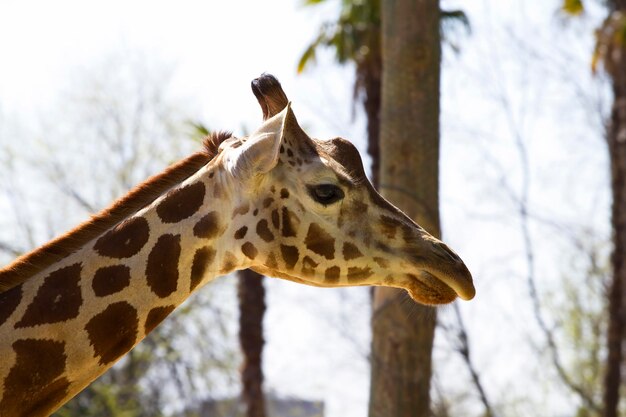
(443, 251)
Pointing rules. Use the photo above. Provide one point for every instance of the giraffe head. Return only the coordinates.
(317, 220)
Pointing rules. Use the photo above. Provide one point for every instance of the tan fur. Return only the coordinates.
(143, 194)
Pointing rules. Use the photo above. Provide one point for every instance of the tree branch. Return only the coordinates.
(464, 350)
(10, 249)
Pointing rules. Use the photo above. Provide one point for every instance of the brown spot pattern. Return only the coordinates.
(9, 300)
(408, 232)
(162, 266)
(208, 226)
(33, 386)
(249, 250)
(58, 298)
(48, 255)
(382, 262)
(388, 226)
(308, 266)
(268, 202)
(241, 210)
(383, 247)
(291, 222)
(320, 242)
(356, 274)
(156, 316)
(284, 193)
(359, 207)
(124, 240)
(351, 251)
(201, 261)
(181, 203)
(241, 232)
(275, 219)
(270, 262)
(290, 255)
(331, 276)
(263, 231)
(229, 263)
(113, 331)
(110, 279)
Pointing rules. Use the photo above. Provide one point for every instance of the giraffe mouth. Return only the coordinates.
(426, 288)
(438, 287)
(441, 272)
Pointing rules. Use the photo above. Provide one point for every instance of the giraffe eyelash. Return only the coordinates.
(325, 194)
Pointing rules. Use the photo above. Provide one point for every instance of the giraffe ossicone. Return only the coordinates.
(278, 202)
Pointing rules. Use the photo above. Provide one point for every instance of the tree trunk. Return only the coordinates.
(403, 332)
(616, 139)
(617, 153)
(252, 308)
(371, 104)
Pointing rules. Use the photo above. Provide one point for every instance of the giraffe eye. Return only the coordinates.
(325, 193)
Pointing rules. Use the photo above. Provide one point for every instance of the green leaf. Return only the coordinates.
(197, 130)
(573, 7)
(307, 56)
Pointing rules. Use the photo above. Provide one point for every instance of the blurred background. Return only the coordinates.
(96, 96)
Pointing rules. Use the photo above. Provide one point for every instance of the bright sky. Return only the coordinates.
(217, 48)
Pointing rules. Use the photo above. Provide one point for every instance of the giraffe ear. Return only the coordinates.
(259, 154)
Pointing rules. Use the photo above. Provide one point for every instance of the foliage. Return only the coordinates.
(610, 52)
(610, 36)
(355, 35)
(103, 399)
(198, 131)
(573, 7)
(583, 318)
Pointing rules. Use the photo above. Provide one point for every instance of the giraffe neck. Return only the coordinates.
(103, 299)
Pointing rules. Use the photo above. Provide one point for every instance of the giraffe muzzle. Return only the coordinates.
(450, 269)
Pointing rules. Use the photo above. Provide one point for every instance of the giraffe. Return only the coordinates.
(277, 201)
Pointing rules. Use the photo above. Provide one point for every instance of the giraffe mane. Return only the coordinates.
(140, 196)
